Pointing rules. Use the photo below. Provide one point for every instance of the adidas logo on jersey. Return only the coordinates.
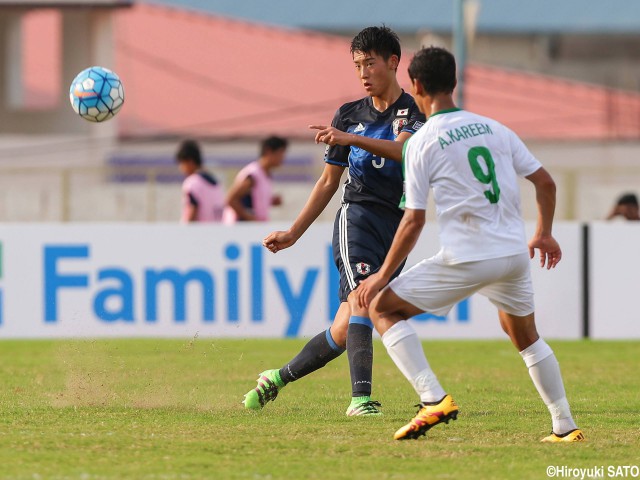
(359, 128)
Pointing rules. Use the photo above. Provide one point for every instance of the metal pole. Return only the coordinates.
(152, 197)
(460, 48)
(65, 194)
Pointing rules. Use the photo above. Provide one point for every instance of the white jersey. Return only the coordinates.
(472, 163)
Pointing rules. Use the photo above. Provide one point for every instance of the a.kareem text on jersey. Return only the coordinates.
(463, 133)
(372, 179)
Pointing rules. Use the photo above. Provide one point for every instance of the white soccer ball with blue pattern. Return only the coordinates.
(96, 94)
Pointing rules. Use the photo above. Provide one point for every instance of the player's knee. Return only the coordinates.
(355, 308)
(374, 313)
(377, 307)
(382, 312)
(521, 329)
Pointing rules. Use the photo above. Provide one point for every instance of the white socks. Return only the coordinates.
(545, 373)
(406, 351)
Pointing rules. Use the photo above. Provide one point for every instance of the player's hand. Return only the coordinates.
(276, 241)
(550, 252)
(330, 135)
(369, 288)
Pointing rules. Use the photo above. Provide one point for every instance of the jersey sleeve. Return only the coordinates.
(524, 162)
(415, 121)
(416, 176)
(337, 154)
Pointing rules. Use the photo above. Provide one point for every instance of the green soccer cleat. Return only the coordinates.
(363, 406)
(269, 384)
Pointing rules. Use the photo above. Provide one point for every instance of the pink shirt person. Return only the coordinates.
(258, 200)
(202, 196)
(251, 196)
(202, 191)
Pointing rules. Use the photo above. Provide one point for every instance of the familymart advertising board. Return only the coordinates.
(127, 280)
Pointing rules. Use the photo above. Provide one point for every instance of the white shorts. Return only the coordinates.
(435, 287)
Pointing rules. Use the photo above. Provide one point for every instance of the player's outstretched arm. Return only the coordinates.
(542, 240)
(320, 196)
(391, 149)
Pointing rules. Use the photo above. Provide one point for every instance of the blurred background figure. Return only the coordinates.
(251, 195)
(202, 194)
(626, 208)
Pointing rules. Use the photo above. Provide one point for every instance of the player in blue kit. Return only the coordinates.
(365, 137)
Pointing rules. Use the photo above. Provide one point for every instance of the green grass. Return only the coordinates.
(170, 409)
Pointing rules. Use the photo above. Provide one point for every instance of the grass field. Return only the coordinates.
(170, 409)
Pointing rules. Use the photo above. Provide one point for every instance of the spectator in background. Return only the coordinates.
(626, 207)
(251, 195)
(202, 195)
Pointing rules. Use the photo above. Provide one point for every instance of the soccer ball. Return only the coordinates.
(96, 94)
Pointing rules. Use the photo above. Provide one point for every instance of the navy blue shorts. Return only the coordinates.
(362, 236)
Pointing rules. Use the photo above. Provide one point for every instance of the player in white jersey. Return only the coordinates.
(472, 164)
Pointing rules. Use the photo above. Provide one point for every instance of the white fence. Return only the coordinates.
(152, 194)
(117, 193)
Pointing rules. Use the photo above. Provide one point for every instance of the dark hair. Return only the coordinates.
(273, 143)
(628, 199)
(189, 150)
(435, 69)
(381, 40)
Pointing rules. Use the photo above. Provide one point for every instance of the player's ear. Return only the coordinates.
(394, 61)
(417, 87)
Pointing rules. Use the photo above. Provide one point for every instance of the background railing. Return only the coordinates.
(120, 193)
(124, 193)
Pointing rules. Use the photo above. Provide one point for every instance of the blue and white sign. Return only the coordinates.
(615, 264)
(175, 281)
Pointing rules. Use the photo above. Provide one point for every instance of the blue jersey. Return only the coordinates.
(372, 179)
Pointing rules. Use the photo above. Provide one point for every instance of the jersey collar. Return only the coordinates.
(389, 108)
(448, 110)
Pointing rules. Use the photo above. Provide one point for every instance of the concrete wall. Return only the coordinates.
(67, 179)
(63, 179)
(86, 38)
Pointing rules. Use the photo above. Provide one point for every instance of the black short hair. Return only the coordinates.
(381, 40)
(435, 69)
(189, 150)
(273, 143)
(628, 199)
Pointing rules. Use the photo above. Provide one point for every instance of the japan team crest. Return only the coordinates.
(363, 268)
(398, 124)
